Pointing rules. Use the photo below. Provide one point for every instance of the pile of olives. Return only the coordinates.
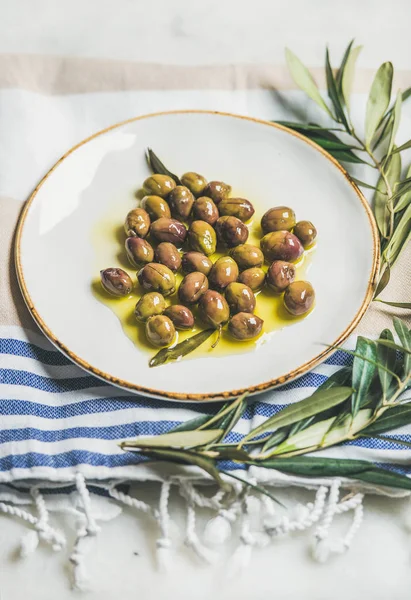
(178, 227)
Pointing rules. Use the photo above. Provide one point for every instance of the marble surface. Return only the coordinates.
(121, 563)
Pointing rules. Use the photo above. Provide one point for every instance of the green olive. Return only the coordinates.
(306, 232)
(299, 297)
(196, 183)
(245, 326)
(231, 231)
(253, 277)
(168, 230)
(247, 256)
(280, 218)
(202, 237)
(223, 272)
(181, 316)
(240, 298)
(204, 209)
(157, 278)
(280, 275)
(139, 251)
(160, 331)
(181, 202)
(167, 254)
(156, 207)
(213, 309)
(217, 191)
(149, 305)
(193, 286)
(281, 245)
(116, 282)
(137, 223)
(196, 261)
(236, 207)
(159, 185)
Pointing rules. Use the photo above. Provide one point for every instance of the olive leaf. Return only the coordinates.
(405, 146)
(392, 418)
(181, 349)
(307, 127)
(384, 280)
(348, 74)
(192, 424)
(404, 200)
(400, 237)
(362, 372)
(333, 92)
(227, 410)
(346, 427)
(387, 357)
(340, 73)
(405, 338)
(363, 184)
(275, 438)
(304, 80)
(157, 166)
(389, 344)
(342, 377)
(318, 402)
(347, 156)
(230, 421)
(253, 486)
(378, 100)
(179, 439)
(309, 439)
(381, 199)
(405, 305)
(395, 123)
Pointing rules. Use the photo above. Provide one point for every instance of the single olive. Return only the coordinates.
(157, 278)
(167, 254)
(204, 209)
(193, 286)
(299, 297)
(196, 261)
(280, 275)
(202, 237)
(213, 309)
(139, 251)
(223, 272)
(156, 207)
(160, 331)
(247, 256)
(137, 223)
(169, 230)
(116, 281)
(159, 185)
(281, 245)
(253, 278)
(217, 191)
(231, 231)
(280, 218)
(149, 305)
(181, 316)
(236, 207)
(306, 232)
(195, 182)
(181, 202)
(240, 298)
(245, 326)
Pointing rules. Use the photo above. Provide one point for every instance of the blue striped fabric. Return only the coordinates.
(52, 424)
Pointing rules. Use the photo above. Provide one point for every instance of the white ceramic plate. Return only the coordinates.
(56, 260)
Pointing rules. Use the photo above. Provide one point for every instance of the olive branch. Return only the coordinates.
(363, 400)
(392, 198)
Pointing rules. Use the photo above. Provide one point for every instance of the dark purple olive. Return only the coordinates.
(213, 309)
(280, 275)
(231, 231)
(139, 251)
(181, 202)
(193, 286)
(181, 316)
(217, 191)
(167, 254)
(116, 282)
(196, 261)
(204, 209)
(168, 230)
(281, 245)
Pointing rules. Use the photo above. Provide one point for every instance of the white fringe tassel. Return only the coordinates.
(164, 543)
(321, 546)
(192, 539)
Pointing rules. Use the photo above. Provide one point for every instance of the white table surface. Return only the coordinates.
(213, 32)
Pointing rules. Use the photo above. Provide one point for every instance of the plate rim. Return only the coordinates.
(215, 396)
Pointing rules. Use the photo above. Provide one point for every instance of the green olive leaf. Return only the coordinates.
(348, 74)
(304, 80)
(388, 358)
(396, 122)
(405, 338)
(192, 424)
(175, 439)
(347, 426)
(231, 420)
(333, 92)
(340, 73)
(405, 199)
(381, 198)
(405, 146)
(275, 438)
(393, 418)
(362, 372)
(400, 237)
(363, 184)
(384, 280)
(390, 344)
(405, 305)
(347, 156)
(307, 128)
(342, 377)
(378, 100)
(181, 349)
(308, 439)
(320, 401)
(157, 166)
